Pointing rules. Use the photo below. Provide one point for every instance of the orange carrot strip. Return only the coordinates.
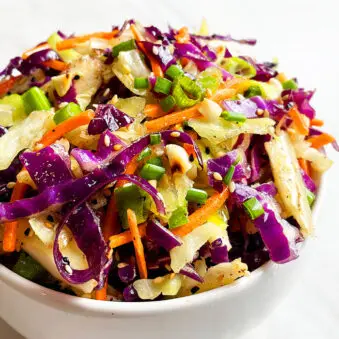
(189, 149)
(35, 49)
(320, 140)
(222, 94)
(56, 64)
(183, 35)
(317, 122)
(6, 85)
(156, 68)
(102, 293)
(298, 120)
(70, 124)
(72, 42)
(304, 165)
(196, 219)
(153, 111)
(200, 216)
(138, 246)
(172, 119)
(12, 227)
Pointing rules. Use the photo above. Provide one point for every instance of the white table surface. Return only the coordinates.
(304, 34)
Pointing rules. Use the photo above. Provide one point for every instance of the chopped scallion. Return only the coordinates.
(179, 217)
(253, 208)
(290, 84)
(141, 83)
(229, 175)
(70, 110)
(155, 138)
(186, 92)
(35, 100)
(167, 103)
(253, 91)
(174, 71)
(144, 153)
(196, 195)
(162, 85)
(152, 172)
(310, 197)
(123, 47)
(233, 116)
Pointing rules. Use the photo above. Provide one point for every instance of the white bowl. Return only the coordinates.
(226, 312)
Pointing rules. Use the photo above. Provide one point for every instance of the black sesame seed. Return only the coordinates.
(191, 158)
(207, 150)
(76, 77)
(195, 289)
(27, 230)
(50, 218)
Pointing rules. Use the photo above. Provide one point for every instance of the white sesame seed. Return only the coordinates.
(240, 96)
(106, 92)
(217, 176)
(231, 186)
(68, 269)
(38, 147)
(175, 134)
(155, 50)
(260, 111)
(95, 106)
(122, 265)
(10, 185)
(106, 140)
(117, 147)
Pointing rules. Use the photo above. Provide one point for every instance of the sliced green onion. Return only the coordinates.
(16, 101)
(123, 47)
(196, 195)
(131, 197)
(70, 110)
(178, 217)
(186, 92)
(144, 153)
(229, 175)
(141, 83)
(290, 84)
(155, 138)
(310, 197)
(35, 100)
(152, 172)
(253, 208)
(167, 103)
(239, 66)
(209, 82)
(233, 116)
(253, 91)
(174, 71)
(155, 161)
(27, 267)
(162, 85)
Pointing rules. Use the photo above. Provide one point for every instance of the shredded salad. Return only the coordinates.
(138, 164)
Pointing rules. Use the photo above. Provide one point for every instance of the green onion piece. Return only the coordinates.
(162, 85)
(167, 103)
(238, 66)
(146, 152)
(290, 84)
(196, 195)
(35, 100)
(155, 138)
(132, 197)
(253, 91)
(70, 110)
(174, 71)
(310, 197)
(186, 92)
(178, 217)
(233, 116)
(141, 83)
(123, 47)
(253, 208)
(229, 175)
(209, 82)
(27, 267)
(155, 161)
(15, 100)
(152, 172)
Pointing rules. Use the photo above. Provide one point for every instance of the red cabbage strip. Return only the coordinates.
(70, 96)
(189, 271)
(276, 111)
(309, 183)
(222, 165)
(246, 106)
(219, 252)
(124, 26)
(48, 167)
(8, 175)
(267, 188)
(278, 235)
(264, 71)
(3, 130)
(127, 273)
(108, 116)
(301, 98)
(105, 153)
(225, 38)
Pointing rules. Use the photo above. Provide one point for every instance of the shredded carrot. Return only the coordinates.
(222, 94)
(156, 68)
(153, 111)
(172, 119)
(184, 61)
(317, 122)
(196, 219)
(56, 64)
(10, 233)
(35, 49)
(200, 216)
(102, 293)
(321, 140)
(298, 120)
(72, 42)
(70, 124)
(193, 135)
(138, 246)
(189, 149)
(304, 165)
(183, 35)
(6, 85)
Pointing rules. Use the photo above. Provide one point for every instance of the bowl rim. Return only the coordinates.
(99, 308)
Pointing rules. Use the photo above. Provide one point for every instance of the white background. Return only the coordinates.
(304, 35)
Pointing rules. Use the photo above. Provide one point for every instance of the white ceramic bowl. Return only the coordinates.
(39, 313)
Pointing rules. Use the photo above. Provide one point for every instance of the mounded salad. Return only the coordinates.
(142, 165)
